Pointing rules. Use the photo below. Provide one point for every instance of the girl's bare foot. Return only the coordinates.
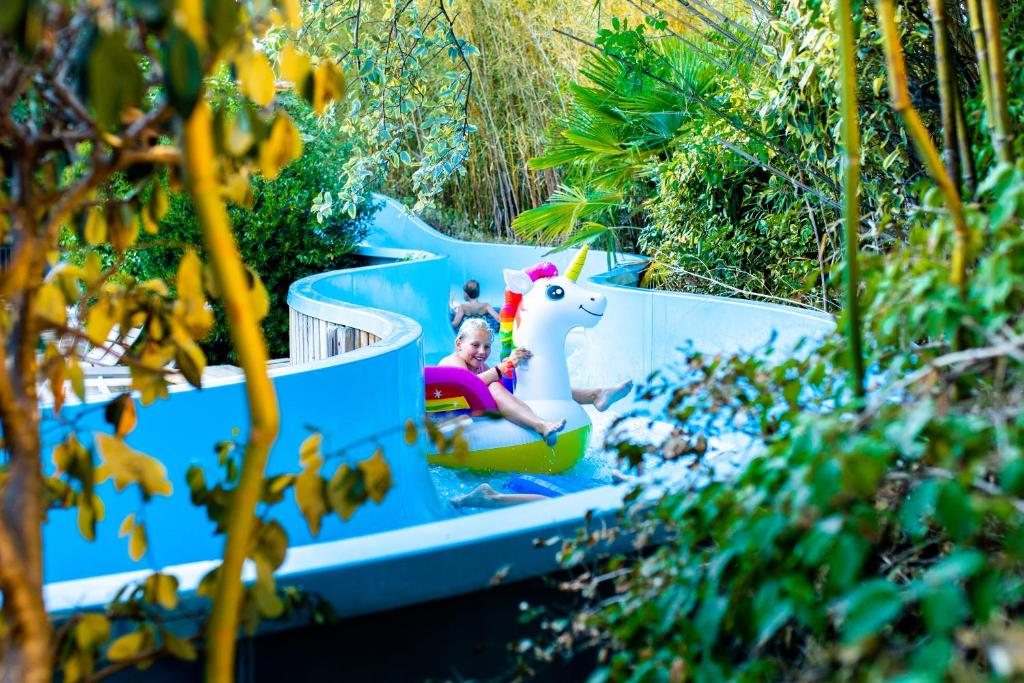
(549, 430)
(609, 395)
(482, 496)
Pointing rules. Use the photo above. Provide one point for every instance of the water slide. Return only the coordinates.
(413, 546)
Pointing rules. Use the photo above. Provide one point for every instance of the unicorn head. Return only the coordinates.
(541, 307)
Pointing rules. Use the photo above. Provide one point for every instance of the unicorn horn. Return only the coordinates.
(577, 263)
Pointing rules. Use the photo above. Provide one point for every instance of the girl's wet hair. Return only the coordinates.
(470, 325)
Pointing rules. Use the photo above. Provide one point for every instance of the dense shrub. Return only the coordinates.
(725, 157)
(871, 538)
(279, 235)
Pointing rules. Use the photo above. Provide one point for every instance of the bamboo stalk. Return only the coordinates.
(947, 90)
(981, 55)
(963, 137)
(923, 143)
(1003, 132)
(851, 187)
(247, 338)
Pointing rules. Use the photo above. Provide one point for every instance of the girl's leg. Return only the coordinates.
(514, 410)
(484, 496)
(602, 398)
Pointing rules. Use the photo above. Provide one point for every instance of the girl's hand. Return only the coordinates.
(519, 355)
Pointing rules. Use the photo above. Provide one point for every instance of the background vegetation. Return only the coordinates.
(877, 533)
(280, 235)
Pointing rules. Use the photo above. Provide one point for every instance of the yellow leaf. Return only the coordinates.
(256, 77)
(309, 495)
(93, 268)
(179, 647)
(238, 190)
(377, 476)
(328, 85)
(158, 202)
(292, 13)
(189, 280)
(50, 304)
(100, 320)
(164, 590)
(86, 521)
(95, 231)
(282, 147)
(77, 377)
(342, 494)
(412, 434)
(148, 224)
(92, 630)
(127, 525)
(191, 360)
(295, 67)
(127, 646)
(123, 229)
(189, 18)
(259, 297)
(191, 304)
(239, 136)
(309, 451)
(137, 543)
(128, 466)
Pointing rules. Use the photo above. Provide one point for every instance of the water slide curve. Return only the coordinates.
(412, 543)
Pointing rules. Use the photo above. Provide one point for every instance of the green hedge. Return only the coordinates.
(279, 237)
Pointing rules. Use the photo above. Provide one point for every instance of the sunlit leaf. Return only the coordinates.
(328, 85)
(377, 476)
(128, 466)
(282, 147)
(127, 646)
(256, 77)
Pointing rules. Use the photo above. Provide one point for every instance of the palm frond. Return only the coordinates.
(563, 211)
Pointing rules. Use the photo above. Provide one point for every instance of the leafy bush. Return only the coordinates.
(725, 156)
(279, 236)
(877, 540)
(876, 537)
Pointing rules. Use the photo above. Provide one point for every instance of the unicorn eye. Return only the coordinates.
(555, 292)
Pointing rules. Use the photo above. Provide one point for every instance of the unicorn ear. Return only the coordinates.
(517, 281)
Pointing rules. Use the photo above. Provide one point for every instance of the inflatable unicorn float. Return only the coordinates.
(540, 309)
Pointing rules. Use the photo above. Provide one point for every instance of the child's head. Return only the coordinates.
(471, 289)
(473, 342)
(471, 327)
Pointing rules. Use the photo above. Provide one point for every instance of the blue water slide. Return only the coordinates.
(411, 547)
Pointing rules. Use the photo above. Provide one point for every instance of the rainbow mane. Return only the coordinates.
(507, 315)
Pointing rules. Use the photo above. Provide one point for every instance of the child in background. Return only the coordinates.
(473, 307)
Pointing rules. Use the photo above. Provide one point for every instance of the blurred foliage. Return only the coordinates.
(281, 235)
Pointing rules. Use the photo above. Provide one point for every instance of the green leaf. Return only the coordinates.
(11, 14)
(869, 608)
(115, 79)
(183, 76)
(918, 507)
(945, 608)
(770, 612)
(954, 511)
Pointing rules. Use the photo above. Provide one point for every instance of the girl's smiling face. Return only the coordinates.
(474, 348)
